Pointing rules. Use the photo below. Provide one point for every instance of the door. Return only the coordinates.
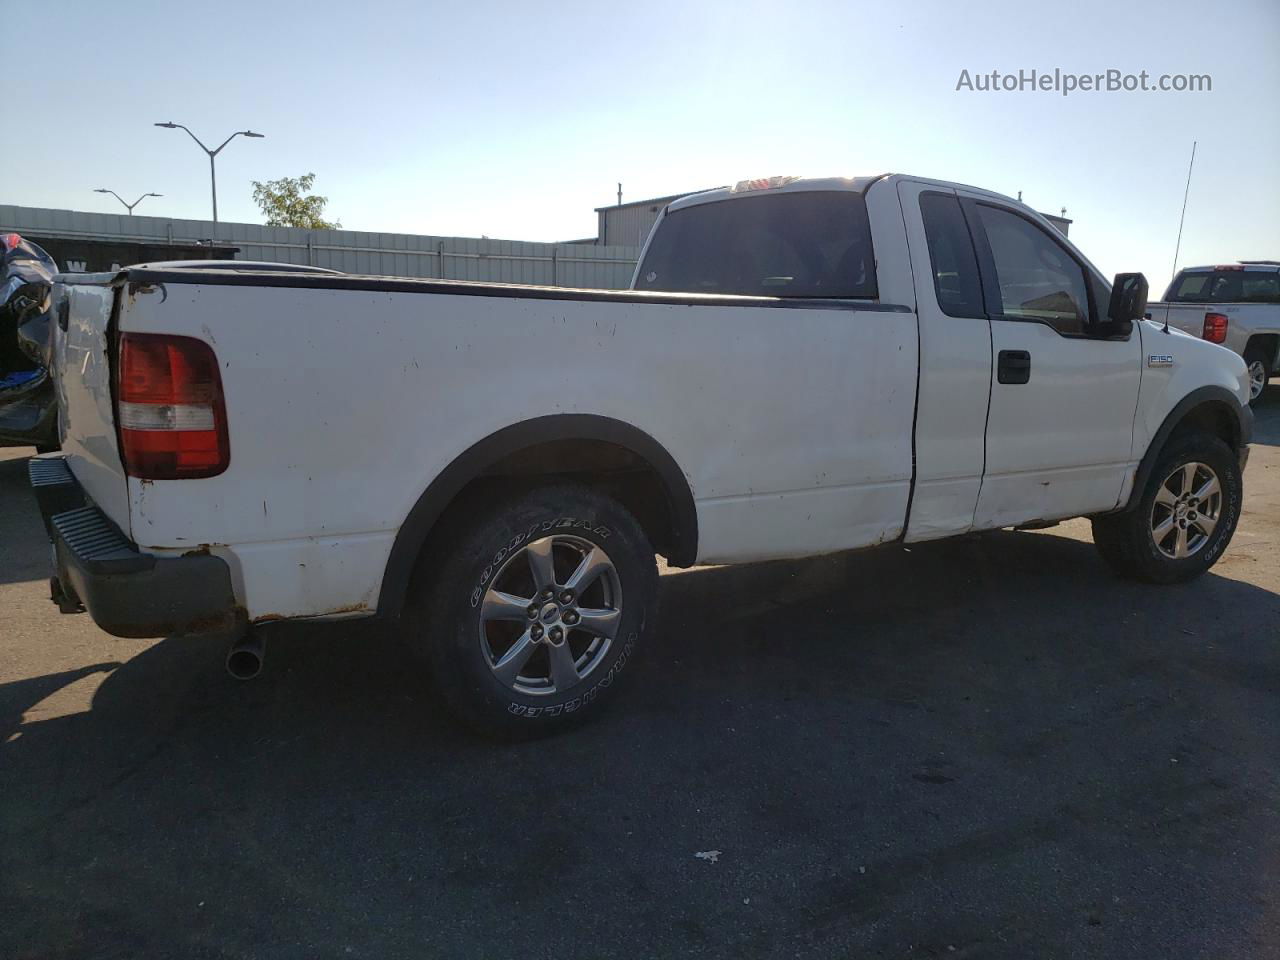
(955, 363)
(1059, 436)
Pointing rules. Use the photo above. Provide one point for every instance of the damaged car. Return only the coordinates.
(28, 405)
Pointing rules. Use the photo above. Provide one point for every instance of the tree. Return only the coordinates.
(283, 204)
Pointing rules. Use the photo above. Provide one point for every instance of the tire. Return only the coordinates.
(1259, 363)
(509, 659)
(1185, 534)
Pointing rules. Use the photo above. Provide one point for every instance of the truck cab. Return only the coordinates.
(1031, 402)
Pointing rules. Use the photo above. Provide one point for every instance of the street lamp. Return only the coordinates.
(213, 178)
(128, 206)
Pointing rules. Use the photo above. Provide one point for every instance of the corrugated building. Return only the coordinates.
(101, 241)
(628, 224)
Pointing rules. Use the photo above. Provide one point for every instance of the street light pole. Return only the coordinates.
(128, 206)
(213, 174)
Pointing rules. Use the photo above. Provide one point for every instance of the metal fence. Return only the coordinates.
(351, 251)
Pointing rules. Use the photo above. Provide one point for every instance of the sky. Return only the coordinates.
(515, 120)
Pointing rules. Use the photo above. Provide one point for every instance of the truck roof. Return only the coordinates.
(747, 188)
(1250, 266)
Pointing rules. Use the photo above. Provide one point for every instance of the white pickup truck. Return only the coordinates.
(1236, 305)
(803, 366)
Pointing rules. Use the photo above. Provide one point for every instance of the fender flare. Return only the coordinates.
(477, 458)
(1219, 396)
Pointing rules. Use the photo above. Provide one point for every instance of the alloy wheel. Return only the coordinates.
(550, 615)
(1257, 378)
(1186, 511)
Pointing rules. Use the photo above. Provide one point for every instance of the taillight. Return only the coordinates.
(1215, 328)
(172, 418)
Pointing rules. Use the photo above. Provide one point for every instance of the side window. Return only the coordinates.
(1038, 279)
(955, 266)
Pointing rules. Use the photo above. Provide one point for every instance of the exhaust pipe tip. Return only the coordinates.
(244, 659)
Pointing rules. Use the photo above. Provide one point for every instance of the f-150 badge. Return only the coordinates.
(1159, 360)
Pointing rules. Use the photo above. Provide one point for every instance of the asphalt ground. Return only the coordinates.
(986, 747)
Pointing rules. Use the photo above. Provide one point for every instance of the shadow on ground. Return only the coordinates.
(986, 744)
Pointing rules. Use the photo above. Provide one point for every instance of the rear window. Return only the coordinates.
(1190, 286)
(802, 244)
(1227, 286)
(1259, 287)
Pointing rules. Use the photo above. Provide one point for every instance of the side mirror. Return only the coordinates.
(1128, 298)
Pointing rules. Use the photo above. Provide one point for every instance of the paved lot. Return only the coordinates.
(983, 748)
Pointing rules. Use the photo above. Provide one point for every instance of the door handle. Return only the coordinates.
(1013, 366)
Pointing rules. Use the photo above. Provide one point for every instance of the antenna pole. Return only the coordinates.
(1178, 246)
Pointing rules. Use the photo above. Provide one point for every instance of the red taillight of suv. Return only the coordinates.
(1215, 328)
(172, 418)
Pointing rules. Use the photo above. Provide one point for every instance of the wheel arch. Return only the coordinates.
(1269, 343)
(1213, 409)
(483, 456)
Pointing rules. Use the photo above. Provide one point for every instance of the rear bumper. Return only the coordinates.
(127, 592)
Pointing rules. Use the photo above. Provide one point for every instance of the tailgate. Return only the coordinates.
(1187, 317)
(82, 363)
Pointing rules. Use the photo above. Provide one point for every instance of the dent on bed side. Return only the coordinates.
(136, 287)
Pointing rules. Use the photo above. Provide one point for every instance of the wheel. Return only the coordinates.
(1184, 519)
(539, 602)
(1259, 364)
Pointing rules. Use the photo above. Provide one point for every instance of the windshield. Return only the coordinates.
(797, 244)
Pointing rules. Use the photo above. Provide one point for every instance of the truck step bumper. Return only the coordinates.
(127, 592)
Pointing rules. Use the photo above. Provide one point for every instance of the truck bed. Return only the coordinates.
(347, 395)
